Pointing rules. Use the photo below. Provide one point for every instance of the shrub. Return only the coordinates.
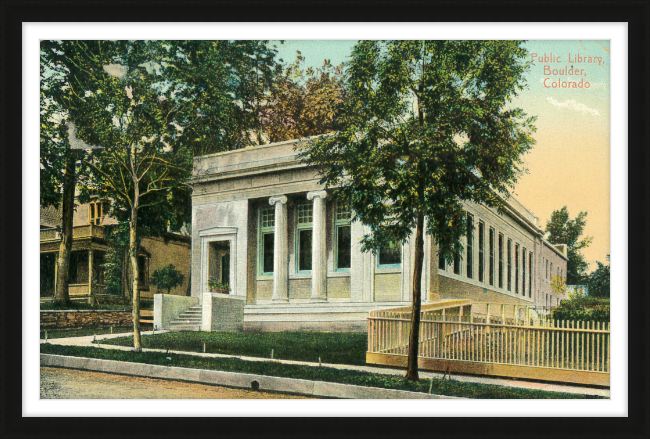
(583, 309)
(215, 284)
(166, 278)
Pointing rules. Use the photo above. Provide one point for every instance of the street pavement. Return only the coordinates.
(57, 383)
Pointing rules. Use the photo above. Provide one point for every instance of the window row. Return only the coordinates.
(549, 271)
(389, 256)
(504, 260)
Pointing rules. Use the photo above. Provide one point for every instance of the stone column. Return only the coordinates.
(280, 250)
(318, 248)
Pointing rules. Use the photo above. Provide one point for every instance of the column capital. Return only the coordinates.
(316, 194)
(278, 199)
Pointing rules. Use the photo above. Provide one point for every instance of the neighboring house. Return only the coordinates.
(262, 223)
(89, 248)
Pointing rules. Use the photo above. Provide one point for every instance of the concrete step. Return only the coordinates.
(184, 321)
(185, 328)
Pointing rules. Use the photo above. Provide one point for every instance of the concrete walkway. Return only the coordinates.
(550, 387)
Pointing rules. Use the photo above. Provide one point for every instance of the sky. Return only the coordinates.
(570, 162)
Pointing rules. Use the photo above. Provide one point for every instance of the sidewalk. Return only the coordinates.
(550, 387)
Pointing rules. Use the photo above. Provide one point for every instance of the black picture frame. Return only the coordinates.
(635, 13)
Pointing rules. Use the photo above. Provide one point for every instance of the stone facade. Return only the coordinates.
(263, 224)
(85, 319)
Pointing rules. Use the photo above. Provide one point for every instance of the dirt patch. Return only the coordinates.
(57, 383)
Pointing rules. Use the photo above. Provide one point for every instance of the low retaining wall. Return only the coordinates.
(90, 318)
(222, 312)
(167, 307)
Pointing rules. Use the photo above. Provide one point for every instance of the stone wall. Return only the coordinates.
(167, 307)
(222, 312)
(85, 319)
(454, 289)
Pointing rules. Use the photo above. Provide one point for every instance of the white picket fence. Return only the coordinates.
(507, 337)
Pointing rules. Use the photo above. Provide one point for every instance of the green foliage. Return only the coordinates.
(583, 309)
(558, 286)
(166, 278)
(598, 281)
(564, 230)
(426, 126)
(215, 284)
(114, 265)
(344, 376)
(54, 142)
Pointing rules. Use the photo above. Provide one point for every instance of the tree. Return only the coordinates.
(598, 281)
(60, 162)
(166, 278)
(227, 82)
(558, 286)
(303, 103)
(425, 127)
(137, 125)
(563, 230)
(149, 106)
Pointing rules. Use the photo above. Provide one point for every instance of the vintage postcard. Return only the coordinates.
(353, 219)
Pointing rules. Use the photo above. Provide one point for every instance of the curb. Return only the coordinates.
(234, 379)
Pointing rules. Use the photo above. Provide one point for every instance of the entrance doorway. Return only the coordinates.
(219, 262)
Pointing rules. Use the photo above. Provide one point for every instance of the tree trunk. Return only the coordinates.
(61, 292)
(414, 336)
(134, 245)
(126, 278)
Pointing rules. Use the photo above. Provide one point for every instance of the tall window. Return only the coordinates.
(96, 212)
(500, 260)
(343, 237)
(304, 220)
(550, 273)
(523, 271)
(390, 255)
(530, 276)
(481, 250)
(517, 268)
(470, 246)
(441, 262)
(456, 263)
(509, 280)
(267, 235)
(491, 267)
(546, 269)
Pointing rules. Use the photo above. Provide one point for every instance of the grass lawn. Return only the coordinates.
(80, 332)
(438, 386)
(331, 347)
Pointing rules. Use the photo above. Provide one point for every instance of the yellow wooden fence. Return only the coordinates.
(454, 339)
